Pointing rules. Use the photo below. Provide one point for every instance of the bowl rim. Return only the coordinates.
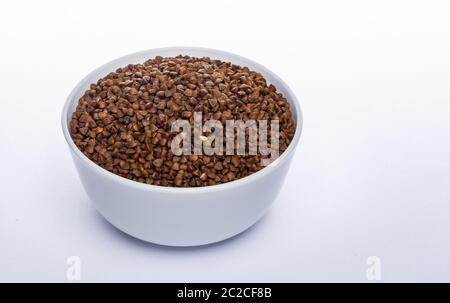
(215, 54)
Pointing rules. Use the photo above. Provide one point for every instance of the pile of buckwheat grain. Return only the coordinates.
(123, 122)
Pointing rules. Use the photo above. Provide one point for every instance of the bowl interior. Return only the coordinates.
(143, 56)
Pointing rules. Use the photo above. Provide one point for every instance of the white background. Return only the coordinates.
(371, 176)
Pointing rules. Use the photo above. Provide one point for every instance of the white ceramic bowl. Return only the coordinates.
(181, 216)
